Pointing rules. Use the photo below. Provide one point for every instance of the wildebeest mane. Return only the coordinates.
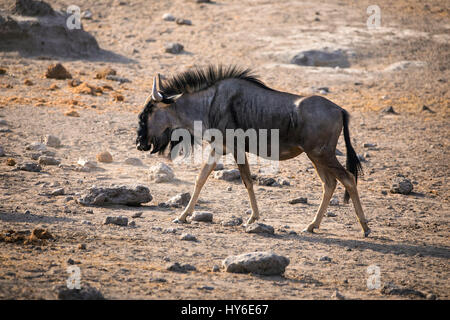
(198, 79)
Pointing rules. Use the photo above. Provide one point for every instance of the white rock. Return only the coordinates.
(161, 173)
(36, 146)
(168, 17)
(264, 263)
(87, 163)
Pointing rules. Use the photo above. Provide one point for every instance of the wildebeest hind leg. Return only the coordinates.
(205, 171)
(328, 186)
(244, 170)
(348, 180)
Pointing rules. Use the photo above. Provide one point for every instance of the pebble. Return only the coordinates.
(188, 237)
(259, 228)
(173, 48)
(120, 221)
(325, 258)
(298, 200)
(57, 192)
(202, 216)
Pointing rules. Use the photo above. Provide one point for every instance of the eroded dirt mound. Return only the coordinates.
(32, 8)
(39, 30)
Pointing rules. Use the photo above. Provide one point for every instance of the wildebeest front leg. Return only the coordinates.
(244, 170)
(206, 170)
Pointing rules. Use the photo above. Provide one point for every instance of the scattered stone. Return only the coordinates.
(337, 296)
(28, 82)
(70, 261)
(180, 200)
(181, 21)
(188, 237)
(3, 122)
(391, 289)
(120, 221)
(202, 216)
(283, 182)
(259, 228)
(36, 146)
(105, 157)
(169, 230)
(322, 58)
(219, 166)
(369, 145)
(173, 48)
(72, 113)
(267, 181)
(53, 87)
(215, 268)
(48, 161)
(402, 186)
(132, 224)
(29, 166)
(263, 263)
(10, 162)
(176, 267)
(57, 192)
(117, 78)
(389, 109)
(82, 246)
(160, 280)
(334, 202)
(57, 71)
(130, 196)
(133, 162)
(206, 288)
(137, 215)
(161, 173)
(117, 97)
(229, 188)
(85, 293)
(427, 109)
(86, 15)
(87, 163)
(298, 200)
(234, 222)
(248, 211)
(74, 83)
(52, 141)
(325, 258)
(331, 214)
(227, 175)
(168, 17)
(2, 152)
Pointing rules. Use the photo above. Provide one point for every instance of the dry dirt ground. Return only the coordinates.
(410, 233)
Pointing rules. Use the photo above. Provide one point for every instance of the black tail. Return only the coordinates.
(353, 164)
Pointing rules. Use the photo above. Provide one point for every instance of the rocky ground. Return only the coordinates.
(404, 64)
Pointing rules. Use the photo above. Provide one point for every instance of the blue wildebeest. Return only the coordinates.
(231, 98)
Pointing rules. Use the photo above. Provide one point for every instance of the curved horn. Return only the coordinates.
(155, 94)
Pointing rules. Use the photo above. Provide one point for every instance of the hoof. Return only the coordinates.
(309, 229)
(179, 221)
(367, 232)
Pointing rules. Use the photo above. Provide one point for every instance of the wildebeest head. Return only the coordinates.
(155, 127)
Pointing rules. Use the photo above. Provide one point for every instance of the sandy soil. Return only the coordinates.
(410, 233)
